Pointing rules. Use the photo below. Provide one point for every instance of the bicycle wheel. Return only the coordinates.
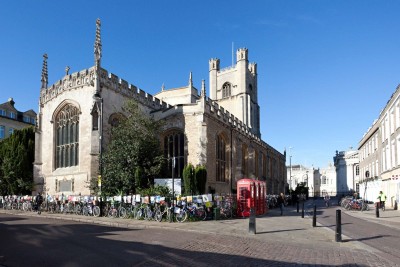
(229, 213)
(122, 212)
(139, 214)
(158, 216)
(181, 215)
(112, 213)
(96, 211)
(78, 209)
(201, 214)
(148, 215)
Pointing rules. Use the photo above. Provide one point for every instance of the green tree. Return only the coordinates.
(200, 174)
(16, 162)
(189, 180)
(302, 188)
(134, 157)
(156, 190)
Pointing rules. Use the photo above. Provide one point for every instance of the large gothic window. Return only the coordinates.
(174, 151)
(67, 137)
(226, 90)
(221, 159)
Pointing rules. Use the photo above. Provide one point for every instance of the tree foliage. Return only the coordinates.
(301, 188)
(17, 154)
(200, 174)
(189, 182)
(156, 190)
(133, 157)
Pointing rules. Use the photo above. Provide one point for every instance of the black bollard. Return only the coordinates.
(314, 221)
(252, 221)
(297, 207)
(377, 210)
(302, 210)
(338, 226)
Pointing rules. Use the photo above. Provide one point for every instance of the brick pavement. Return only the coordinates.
(287, 240)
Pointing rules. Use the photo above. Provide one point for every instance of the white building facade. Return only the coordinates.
(379, 154)
(347, 172)
(300, 174)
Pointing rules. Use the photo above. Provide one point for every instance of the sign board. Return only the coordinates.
(168, 182)
(99, 181)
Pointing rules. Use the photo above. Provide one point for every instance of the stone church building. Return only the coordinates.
(221, 131)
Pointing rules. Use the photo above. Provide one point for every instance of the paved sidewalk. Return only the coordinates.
(288, 228)
(290, 238)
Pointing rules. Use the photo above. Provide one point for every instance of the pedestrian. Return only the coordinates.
(39, 201)
(382, 199)
(327, 198)
(281, 202)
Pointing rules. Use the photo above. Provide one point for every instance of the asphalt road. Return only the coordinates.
(381, 237)
(43, 241)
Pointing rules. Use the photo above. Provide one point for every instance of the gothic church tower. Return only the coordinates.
(235, 89)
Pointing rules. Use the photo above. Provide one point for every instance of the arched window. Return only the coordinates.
(221, 159)
(226, 90)
(67, 137)
(95, 119)
(115, 119)
(174, 145)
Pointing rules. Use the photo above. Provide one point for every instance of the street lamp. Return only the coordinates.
(99, 103)
(290, 162)
(233, 126)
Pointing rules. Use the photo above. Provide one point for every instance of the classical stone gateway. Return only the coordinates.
(221, 132)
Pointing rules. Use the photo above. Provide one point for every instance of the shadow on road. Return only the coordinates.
(47, 242)
(278, 231)
(365, 238)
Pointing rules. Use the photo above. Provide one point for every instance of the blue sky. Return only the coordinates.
(325, 68)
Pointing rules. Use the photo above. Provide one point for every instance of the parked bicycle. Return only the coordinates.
(357, 205)
(162, 211)
(183, 211)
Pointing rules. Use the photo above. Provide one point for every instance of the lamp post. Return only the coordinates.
(233, 126)
(306, 182)
(290, 170)
(99, 103)
(173, 180)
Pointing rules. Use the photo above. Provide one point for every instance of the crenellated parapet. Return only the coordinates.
(68, 82)
(219, 113)
(107, 80)
(113, 82)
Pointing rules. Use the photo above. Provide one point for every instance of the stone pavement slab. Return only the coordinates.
(279, 240)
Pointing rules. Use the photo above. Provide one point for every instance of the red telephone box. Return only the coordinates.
(245, 196)
(263, 194)
(251, 194)
(262, 206)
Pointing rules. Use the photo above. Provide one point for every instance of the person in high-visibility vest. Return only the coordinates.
(382, 199)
